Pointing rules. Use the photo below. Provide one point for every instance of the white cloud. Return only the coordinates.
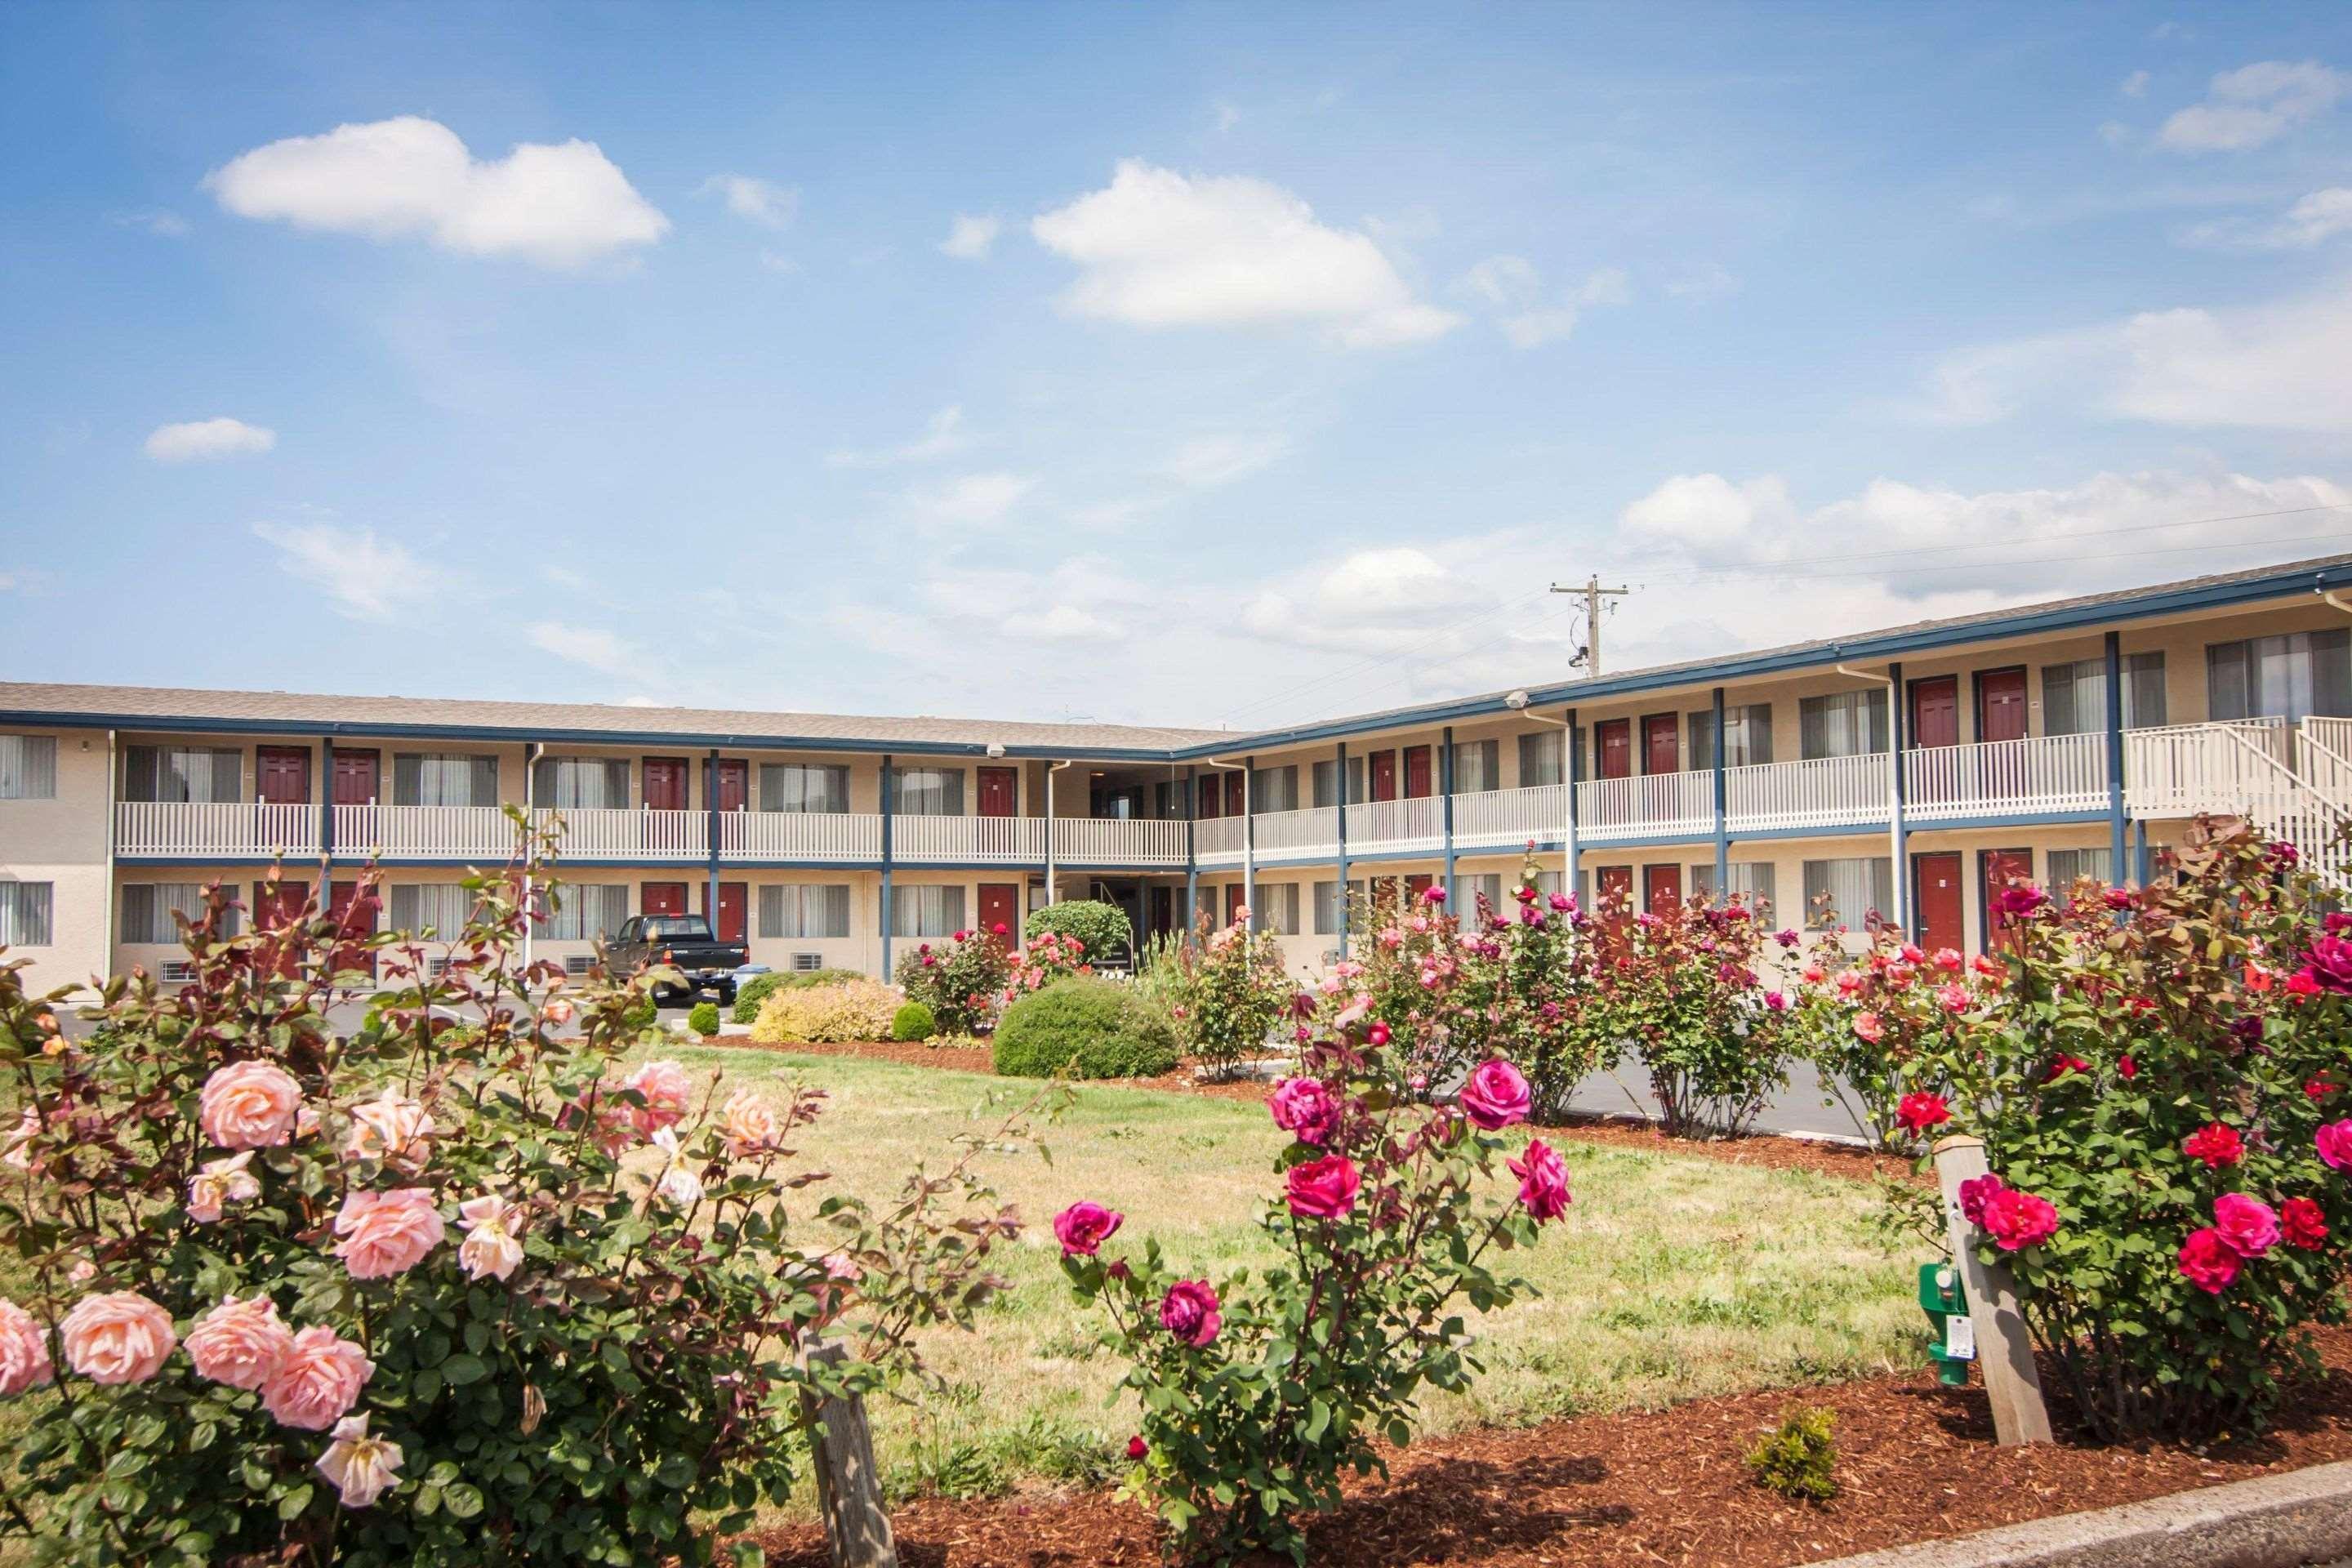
(1212, 460)
(971, 501)
(971, 236)
(1704, 282)
(2133, 84)
(755, 200)
(370, 579)
(1373, 602)
(2254, 105)
(1156, 248)
(558, 204)
(944, 434)
(592, 646)
(1064, 622)
(2316, 218)
(199, 440)
(1528, 317)
(156, 221)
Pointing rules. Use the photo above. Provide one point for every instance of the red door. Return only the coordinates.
(1236, 794)
(1937, 902)
(1234, 905)
(355, 778)
(666, 786)
(1662, 888)
(733, 897)
(354, 917)
(2002, 866)
(276, 905)
(734, 785)
(1614, 739)
(2000, 705)
(1661, 743)
(999, 791)
(1213, 798)
(662, 899)
(1616, 887)
(1935, 712)
(282, 775)
(1416, 772)
(1414, 887)
(1383, 775)
(1000, 904)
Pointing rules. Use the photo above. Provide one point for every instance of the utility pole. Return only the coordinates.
(1593, 593)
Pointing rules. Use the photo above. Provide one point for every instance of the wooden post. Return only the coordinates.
(856, 1529)
(2004, 1351)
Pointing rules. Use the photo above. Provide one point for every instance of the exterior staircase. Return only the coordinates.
(2295, 784)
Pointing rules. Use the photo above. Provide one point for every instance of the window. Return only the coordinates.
(24, 914)
(808, 909)
(588, 912)
(438, 779)
(2069, 866)
(1747, 736)
(1477, 766)
(927, 792)
(1170, 800)
(1275, 789)
(1848, 892)
(148, 907)
(582, 783)
(804, 786)
(1539, 756)
(183, 773)
(1326, 906)
(1842, 724)
(927, 911)
(2290, 678)
(1751, 882)
(1326, 782)
(441, 907)
(1486, 886)
(28, 767)
(2075, 696)
(1276, 911)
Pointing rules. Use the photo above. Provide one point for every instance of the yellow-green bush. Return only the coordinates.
(825, 1015)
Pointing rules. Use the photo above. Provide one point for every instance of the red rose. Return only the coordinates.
(1190, 1311)
(2216, 1144)
(1324, 1188)
(1921, 1110)
(2016, 1220)
(2209, 1262)
(2304, 1226)
(1137, 1448)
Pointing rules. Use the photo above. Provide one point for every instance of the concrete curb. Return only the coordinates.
(2275, 1521)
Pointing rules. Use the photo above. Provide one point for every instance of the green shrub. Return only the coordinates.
(913, 1022)
(703, 1019)
(963, 983)
(1101, 929)
(859, 1009)
(644, 1013)
(1091, 1027)
(760, 987)
(1799, 1459)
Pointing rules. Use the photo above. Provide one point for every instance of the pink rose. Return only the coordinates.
(1084, 1226)
(750, 1126)
(240, 1343)
(490, 1250)
(118, 1337)
(1324, 1188)
(2336, 1144)
(363, 1468)
(24, 1351)
(1976, 1191)
(2209, 1262)
(249, 1105)
(2249, 1225)
(392, 1127)
(2016, 1220)
(386, 1233)
(1495, 1095)
(1303, 1107)
(1866, 1027)
(1189, 1311)
(558, 1013)
(1543, 1181)
(668, 1092)
(318, 1382)
(218, 1182)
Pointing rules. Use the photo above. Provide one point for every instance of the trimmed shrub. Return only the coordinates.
(753, 993)
(1092, 1028)
(858, 1009)
(1799, 1457)
(643, 1012)
(1100, 929)
(913, 1022)
(703, 1019)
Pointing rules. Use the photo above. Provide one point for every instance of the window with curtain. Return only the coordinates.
(1539, 755)
(436, 778)
(1747, 735)
(591, 911)
(1487, 885)
(2295, 677)
(927, 792)
(1750, 882)
(184, 774)
(443, 906)
(582, 783)
(2069, 866)
(148, 909)
(1275, 789)
(926, 911)
(1854, 890)
(1326, 782)
(1842, 724)
(28, 767)
(1276, 913)
(25, 913)
(1477, 766)
(806, 911)
(2075, 696)
(1170, 800)
(1327, 909)
(804, 786)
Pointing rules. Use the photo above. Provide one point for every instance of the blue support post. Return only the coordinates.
(1898, 875)
(1569, 762)
(326, 822)
(1249, 838)
(885, 867)
(1339, 903)
(1191, 861)
(1446, 814)
(2116, 827)
(710, 808)
(1722, 832)
(2141, 867)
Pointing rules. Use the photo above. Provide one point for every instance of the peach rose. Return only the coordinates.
(490, 1249)
(557, 1011)
(20, 1141)
(249, 1105)
(386, 1233)
(24, 1351)
(363, 1468)
(666, 1091)
(318, 1382)
(218, 1182)
(240, 1343)
(678, 1182)
(392, 1127)
(749, 1125)
(118, 1337)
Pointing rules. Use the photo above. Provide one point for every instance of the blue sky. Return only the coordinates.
(1186, 364)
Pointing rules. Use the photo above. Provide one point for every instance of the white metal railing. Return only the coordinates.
(1821, 792)
(1664, 805)
(1217, 841)
(473, 833)
(970, 840)
(2323, 755)
(1508, 818)
(2037, 773)
(619, 832)
(204, 828)
(1119, 841)
(1291, 834)
(821, 835)
(1415, 824)
(2179, 770)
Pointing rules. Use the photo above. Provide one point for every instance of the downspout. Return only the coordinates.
(326, 824)
(1339, 904)
(1722, 832)
(1446, 813)
(1050, 769)
(530, 756)
(711, 810)
(113, 818)
(1570, 762)
(885, 867)
(1898, 879)
(2115, 716)
(1191, 861)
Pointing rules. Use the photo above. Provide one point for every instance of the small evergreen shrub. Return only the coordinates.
(703, 1019)
(913, 1022)
(1092, 1028)
(1101, 929)
(857, 1009)
(1798, 1459)
(643, 1012)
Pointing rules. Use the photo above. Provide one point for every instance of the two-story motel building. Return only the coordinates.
(1906, 771)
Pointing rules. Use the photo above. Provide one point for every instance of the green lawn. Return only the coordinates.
(1673, 1276)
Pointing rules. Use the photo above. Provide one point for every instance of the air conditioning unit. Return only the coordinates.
(577, 963)
(179, 971)
(807, 963)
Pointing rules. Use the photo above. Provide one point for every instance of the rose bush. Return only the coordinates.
(1879, 1027)
(963, 982)
(1226, 991)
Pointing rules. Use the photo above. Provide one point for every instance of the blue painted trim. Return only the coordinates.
(710, 807)
(1191, 860)
(1340, 789)
(2112, 654)
(886, 865)
(1898, 863)
(1445, 815)
(1722, 800)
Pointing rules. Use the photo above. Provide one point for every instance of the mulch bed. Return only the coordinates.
(1916, 1462)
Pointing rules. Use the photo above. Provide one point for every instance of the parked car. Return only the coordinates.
(682, 942)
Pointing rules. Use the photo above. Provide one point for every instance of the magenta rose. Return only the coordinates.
(1305, 1108)
(2329, 963)
(1189, 1311)
(2249, 1225)
(1495, 1095)
(2334, 1142)
(1084, 1226)
(1976, 1191)
(1324, 1188)
(2209, 1262)
(1543, 1181)
(2016, 1220)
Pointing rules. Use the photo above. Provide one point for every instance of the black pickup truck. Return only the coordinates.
(682, 942)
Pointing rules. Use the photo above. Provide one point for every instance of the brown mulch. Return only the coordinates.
(1763, 1150)
(1916, 1462)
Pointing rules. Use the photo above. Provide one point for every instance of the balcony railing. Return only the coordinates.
(618, 832)
(472, 832)
(2179, 770)
(200, 829)
(1669, 806)
(1217, 841)
(798, 836)
(1119, 841)
(1397, 824)
(969, 840)
(1313, 833)
(1996, 778)
(1823, 792)
(1508, 818)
